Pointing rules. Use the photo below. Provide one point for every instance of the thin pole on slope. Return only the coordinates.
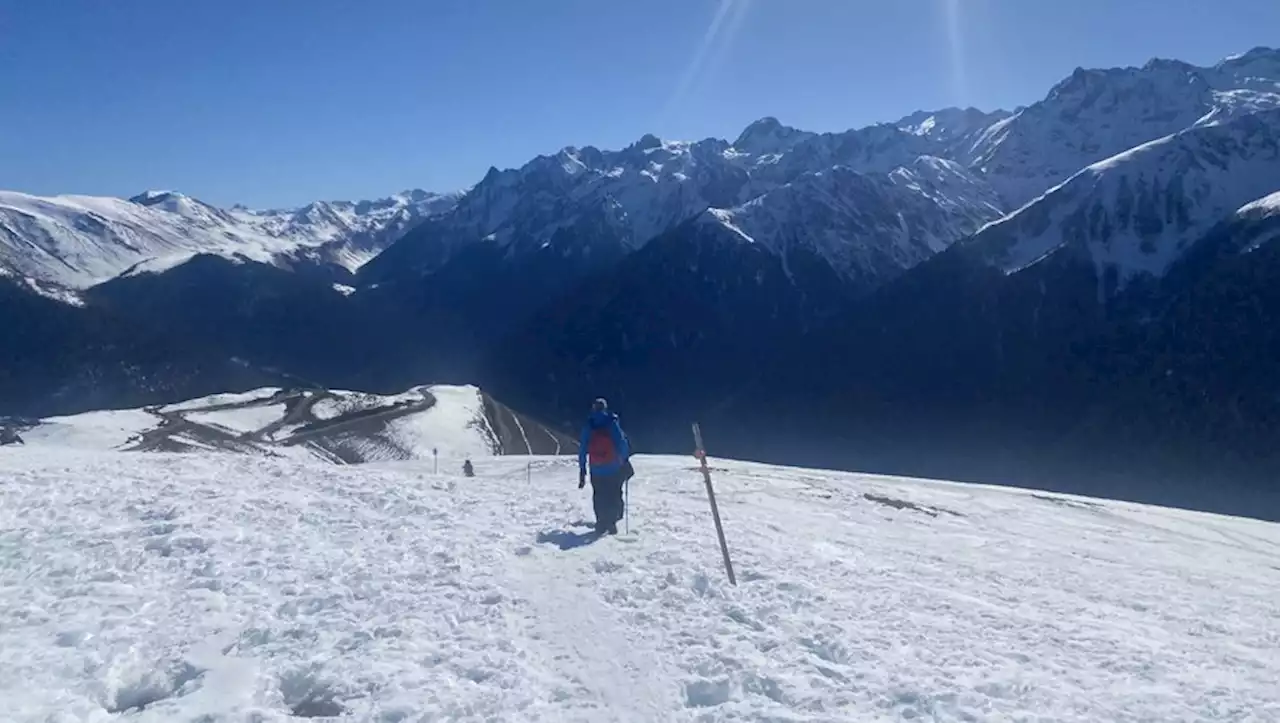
(528, 474)
(626, 504)
(701, 453)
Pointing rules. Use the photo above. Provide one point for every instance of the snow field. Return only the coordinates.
(221, 588)
(347, 402)
(91, 430)
(456, 425)
(244, 419)
(217, 400)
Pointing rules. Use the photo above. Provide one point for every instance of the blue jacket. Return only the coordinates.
(608, 421)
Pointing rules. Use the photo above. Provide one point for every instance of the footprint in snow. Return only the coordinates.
(606, 566)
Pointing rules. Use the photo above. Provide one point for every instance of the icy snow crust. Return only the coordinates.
(224, 588)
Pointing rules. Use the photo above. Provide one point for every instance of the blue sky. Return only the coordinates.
(279, 102)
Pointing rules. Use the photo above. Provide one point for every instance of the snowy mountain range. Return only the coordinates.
(613, 202)
(998, 264)
(79, 241)
(584, 200)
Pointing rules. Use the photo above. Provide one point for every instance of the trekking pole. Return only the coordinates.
(701, 454)
(626, 504)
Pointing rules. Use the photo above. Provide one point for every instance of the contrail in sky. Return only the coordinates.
(714, 44)
(955, 47)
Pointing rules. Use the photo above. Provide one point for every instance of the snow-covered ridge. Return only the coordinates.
(1257, 223)
(1095, 114)
(335, 426)
(1263, 207)
(79, 241)
(159, 588)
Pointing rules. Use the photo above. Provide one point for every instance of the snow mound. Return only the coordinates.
(203, 587)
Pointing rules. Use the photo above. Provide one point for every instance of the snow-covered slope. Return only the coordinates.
(78, 241)
(216, 588)
(101, 430)
(1095, 114)
(1139, 211)
(335, 426)
(866, 226)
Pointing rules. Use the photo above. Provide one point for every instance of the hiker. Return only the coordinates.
(467, 469)
(607, 452)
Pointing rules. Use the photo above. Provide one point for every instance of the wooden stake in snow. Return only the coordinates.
(701, 453)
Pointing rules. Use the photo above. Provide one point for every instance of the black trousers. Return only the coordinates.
(606, 498)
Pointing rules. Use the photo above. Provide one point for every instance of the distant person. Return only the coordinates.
(467, 469)
(606, 451)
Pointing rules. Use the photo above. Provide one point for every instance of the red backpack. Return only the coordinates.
(600, 448)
